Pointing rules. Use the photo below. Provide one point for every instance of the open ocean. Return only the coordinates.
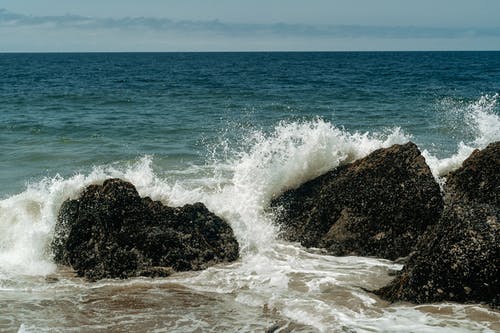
(230, 130)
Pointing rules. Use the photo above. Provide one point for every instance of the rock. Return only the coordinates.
(478, 178)
(458, 259)
(111, 232)
(377, 206)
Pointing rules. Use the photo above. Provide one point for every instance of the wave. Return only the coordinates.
(309, 288)
(238, 189)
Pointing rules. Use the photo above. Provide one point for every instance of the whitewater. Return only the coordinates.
(274, 283)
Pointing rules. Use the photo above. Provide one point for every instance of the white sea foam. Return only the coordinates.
(283, 159)
(477, 119)
(291, 154)
(274, 275)
(27, 219)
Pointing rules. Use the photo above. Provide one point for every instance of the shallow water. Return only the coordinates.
(231, 131)
(288, 288)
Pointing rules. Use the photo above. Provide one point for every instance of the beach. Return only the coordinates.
(233, 131)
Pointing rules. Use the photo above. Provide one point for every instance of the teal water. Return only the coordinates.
(230, 130)
(62, 113)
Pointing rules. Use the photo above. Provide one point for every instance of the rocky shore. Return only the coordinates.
(388, 205)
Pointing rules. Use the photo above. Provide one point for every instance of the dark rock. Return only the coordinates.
(377, 206)
(478, 178)
(110, 231)
(458, 259)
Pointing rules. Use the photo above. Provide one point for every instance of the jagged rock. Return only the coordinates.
(110, 231)
(377, 206)
(458, 260)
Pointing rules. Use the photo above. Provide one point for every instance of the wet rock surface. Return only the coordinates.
(377, 206)
(458, 259)
(111, 232)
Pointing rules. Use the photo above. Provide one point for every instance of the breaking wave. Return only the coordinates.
(238, 187)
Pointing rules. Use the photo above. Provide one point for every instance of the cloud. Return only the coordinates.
(219, 28)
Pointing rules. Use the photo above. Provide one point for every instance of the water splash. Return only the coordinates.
(27, 219)
(269, 163)
(293, 153)
(313, 289)
(477, 120)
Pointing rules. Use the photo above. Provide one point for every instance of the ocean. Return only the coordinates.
(230, 130)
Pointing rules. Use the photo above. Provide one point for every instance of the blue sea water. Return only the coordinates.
(62, 113)
(230, 130)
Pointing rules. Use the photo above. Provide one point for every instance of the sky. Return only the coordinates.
(248, 25)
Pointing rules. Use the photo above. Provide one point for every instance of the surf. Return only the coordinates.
(237, 182)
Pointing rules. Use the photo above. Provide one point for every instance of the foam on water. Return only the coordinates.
(309, 288)
(479, 120)
(27, 219)
(238, 188)
(291, 154)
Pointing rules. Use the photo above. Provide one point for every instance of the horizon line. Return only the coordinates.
(252, 51)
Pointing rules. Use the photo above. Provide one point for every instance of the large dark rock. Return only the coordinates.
(458, 260)
(110, 231)
(377, 206)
